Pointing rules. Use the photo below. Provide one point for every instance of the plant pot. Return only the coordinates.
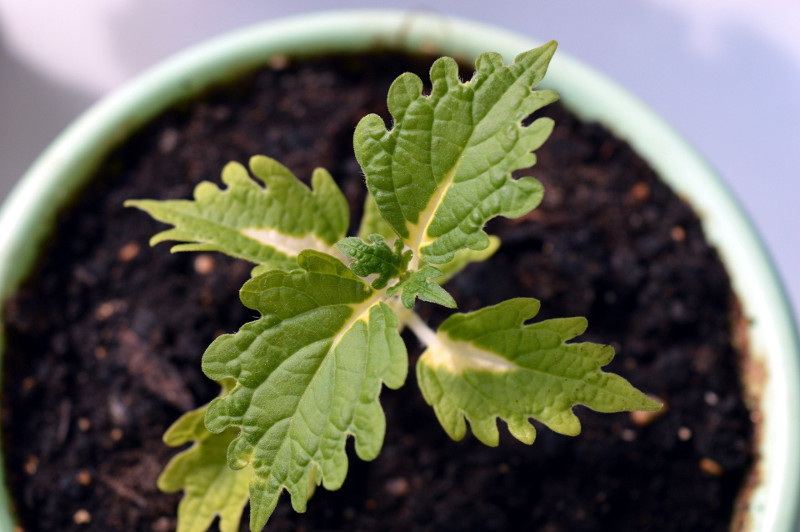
(30, 212)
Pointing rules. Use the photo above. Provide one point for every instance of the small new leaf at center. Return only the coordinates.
(376, 258)
(419, 284)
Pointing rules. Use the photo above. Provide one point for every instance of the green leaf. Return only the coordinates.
(487, 364)
(376, 258)
(372, 221)
(445, 168)
(268, 226)
(419, 284)
(465, 257)
(308, 374)
(210, 487)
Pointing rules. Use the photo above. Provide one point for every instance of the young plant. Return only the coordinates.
(307, 374)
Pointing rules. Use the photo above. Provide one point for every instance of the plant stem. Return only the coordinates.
(424, 334)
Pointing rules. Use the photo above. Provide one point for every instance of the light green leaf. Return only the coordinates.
(418, 284)
(376, 258)
(308, 374)
(465, 257)
(445, 167)
(487, 364)
(210, 487)
(268, 226)
(372, 221)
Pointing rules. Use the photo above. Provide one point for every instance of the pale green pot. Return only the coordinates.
(29, 213)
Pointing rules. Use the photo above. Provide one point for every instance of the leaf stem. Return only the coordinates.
(425, 335)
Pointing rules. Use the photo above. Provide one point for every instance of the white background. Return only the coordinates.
(725, 73)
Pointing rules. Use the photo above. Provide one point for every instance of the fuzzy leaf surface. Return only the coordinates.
(211, 488)
(308, 374)
(489, 364)
(375, 257)
(444, 169)
(372, 222)
(465, 257)
(268, 226)
(419, 284)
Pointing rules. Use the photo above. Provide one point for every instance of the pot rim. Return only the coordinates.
(29, 213)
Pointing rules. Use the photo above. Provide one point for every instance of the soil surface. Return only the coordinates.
(104, 343)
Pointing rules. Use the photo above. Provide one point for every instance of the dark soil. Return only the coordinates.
(104, 343)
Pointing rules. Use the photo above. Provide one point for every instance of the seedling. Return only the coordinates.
(307, 374)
